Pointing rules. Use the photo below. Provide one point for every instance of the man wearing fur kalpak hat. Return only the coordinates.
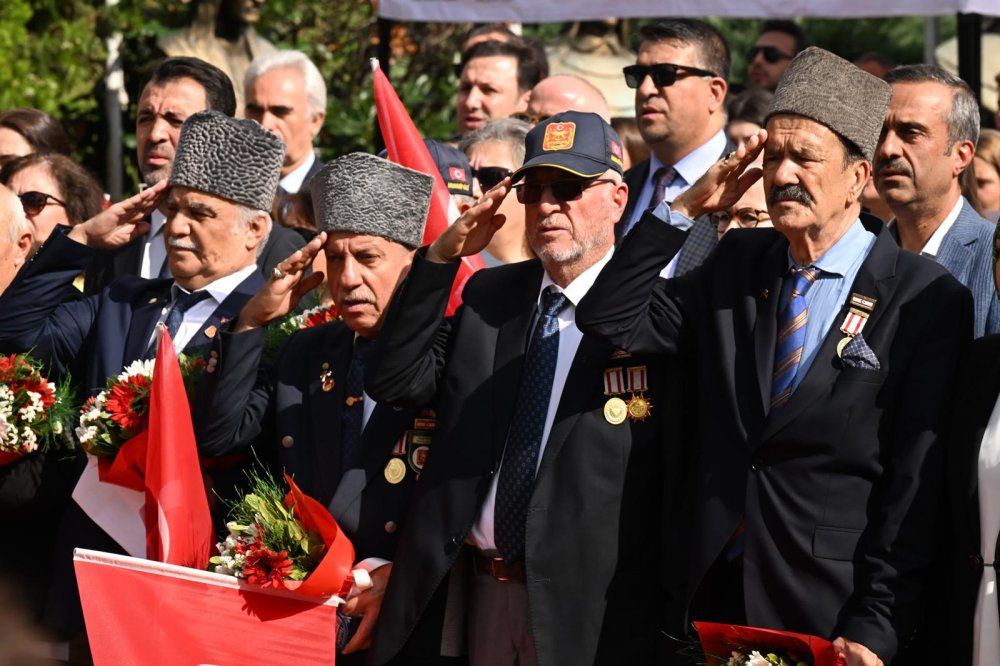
(307, 410)
(220, 189)
(825, 361)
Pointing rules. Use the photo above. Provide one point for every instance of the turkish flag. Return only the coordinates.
(405, 146)
(178, 522)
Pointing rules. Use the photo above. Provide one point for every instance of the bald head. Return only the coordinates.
(565, 92)
(15, 236)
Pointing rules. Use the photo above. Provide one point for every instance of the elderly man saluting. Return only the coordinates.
(826, 357)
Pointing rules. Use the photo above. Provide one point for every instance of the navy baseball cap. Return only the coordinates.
(581, 143)
(453, 166)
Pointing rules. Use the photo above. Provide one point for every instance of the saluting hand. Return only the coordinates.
(284, 288)
(725, 182)
(473, 231)
(120, 222)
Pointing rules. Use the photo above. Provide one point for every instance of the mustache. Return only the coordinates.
(359, 295)
(183, 245)
(789, 193)
(897, 164)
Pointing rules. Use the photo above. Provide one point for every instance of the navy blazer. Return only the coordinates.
(841, 492)
(967, 251)
(94, 337)
(283, 408)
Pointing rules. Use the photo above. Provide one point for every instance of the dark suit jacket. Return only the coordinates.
(974, 403)
(841, 492)
(95, 337)
(107, 265)
(592, 528)
(284, 410)
(701, 239)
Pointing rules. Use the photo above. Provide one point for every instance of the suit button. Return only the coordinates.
(390, 527)
(976, 562)
(287, 441)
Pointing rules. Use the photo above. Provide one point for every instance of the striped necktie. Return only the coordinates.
(662, 179)
(791, 336)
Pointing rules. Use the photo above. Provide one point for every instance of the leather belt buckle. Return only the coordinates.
(499, 569)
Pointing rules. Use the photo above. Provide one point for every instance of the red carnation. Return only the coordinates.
(321, 317)
(128, 403)
(266, 568)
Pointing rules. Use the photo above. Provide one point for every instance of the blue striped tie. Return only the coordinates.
(791, 336)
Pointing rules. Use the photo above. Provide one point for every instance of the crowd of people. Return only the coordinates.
(730, 360)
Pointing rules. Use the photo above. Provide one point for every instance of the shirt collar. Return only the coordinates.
(219, 289)
(578, 288)
(293, 182)
(693, 166)
(842, 255)
(933, 244)
(156, 222)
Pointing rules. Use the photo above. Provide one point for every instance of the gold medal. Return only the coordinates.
(615, 411)
(326, 379)
(842, 344)
(638, 408)
(395, 471)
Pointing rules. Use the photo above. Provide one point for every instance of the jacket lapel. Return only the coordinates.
(583, 378)
(145, 313)
(767, 291)
(333, 357)
(956, 253)
(512, 343)
(227, 310)
(875, 278)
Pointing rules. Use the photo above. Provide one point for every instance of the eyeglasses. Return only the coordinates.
(34, 202)
(490, 176)
(664, 74)
(748, 218)
(772, 54)
(562, 190)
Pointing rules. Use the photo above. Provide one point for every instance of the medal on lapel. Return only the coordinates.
(395, 471)
(638, 406)
(615, 411)
(326, 377)
(857, 316)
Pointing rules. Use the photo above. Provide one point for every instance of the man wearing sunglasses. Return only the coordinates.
(778, 42)
(680, 87)
(826, 361)
(539, 508)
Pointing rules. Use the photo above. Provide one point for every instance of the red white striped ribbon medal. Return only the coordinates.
(857, 316)
(614, 381)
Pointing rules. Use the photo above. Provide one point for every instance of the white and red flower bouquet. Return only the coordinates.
(280, 330)
(34, 412)
(735, 645)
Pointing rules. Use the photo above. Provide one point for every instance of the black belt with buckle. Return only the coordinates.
(499, 568)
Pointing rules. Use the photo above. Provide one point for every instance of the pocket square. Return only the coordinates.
(857, 354)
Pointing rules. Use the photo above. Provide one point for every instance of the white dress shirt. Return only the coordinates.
(198, 314)
(154, 252)
(292, 183)
(933, 244)
(986, 635)
(481, 535)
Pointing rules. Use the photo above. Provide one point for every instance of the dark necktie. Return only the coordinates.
(183, 301)
(791, 336)
(517, 472)
(662, 179)
(352, 414)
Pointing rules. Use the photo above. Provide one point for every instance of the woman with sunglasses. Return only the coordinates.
(495, 151)
(53, 190)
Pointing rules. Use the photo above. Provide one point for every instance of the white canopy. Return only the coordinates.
(552, 11)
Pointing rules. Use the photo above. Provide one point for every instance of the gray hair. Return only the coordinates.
(13, 215)
(963, 119)
(245, 215)
(504, 130)
(315, 85)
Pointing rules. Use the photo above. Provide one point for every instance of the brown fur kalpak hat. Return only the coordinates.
(835, 93)
(368, 195)
(234, 159)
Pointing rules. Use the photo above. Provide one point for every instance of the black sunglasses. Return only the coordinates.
(664, 74)
(772, 54)
(34, 202)
(562, 190)
(490, 176)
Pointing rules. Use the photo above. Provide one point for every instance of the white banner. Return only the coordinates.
(553, 11)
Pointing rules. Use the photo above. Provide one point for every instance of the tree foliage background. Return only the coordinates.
(55, 59)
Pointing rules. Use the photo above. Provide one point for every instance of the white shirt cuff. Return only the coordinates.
(673, 218)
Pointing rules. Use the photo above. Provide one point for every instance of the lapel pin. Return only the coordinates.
(153, 300)
(764, 293)
(211, 331)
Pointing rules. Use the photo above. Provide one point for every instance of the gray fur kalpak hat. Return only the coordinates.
(364, 194)
(835, 93)
(234, 159)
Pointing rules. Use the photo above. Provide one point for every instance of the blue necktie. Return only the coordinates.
(183, 301)
(791, 336)
(517, 472)
(352, 414)
(662, 179)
